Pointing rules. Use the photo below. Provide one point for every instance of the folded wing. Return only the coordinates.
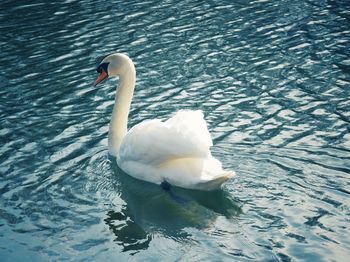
(155, 142)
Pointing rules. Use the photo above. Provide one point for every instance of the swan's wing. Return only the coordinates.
(191, 125)
(154, 142)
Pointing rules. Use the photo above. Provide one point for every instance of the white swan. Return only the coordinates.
(176, 151)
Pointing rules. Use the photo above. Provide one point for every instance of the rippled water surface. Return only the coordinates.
(273, 80)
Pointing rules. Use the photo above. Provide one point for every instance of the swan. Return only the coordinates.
(175, 152)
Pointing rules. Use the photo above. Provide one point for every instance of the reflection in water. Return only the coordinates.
(150, 210)
(128, 233)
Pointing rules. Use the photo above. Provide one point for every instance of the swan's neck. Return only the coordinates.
(119, 122)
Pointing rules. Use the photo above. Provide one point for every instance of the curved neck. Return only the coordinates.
(119, 122)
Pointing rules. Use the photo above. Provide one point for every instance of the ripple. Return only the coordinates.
(272, 79)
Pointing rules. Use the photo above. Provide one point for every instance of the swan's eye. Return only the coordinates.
(102, 67)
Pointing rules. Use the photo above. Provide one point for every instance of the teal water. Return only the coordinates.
(273, 80)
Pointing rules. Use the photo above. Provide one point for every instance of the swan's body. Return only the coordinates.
(176, 151)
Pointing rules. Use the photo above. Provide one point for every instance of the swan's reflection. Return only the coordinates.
(128, 233)
(151, 210)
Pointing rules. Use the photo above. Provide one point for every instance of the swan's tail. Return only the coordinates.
(216, 182)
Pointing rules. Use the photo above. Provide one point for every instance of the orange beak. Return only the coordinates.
(101, 77)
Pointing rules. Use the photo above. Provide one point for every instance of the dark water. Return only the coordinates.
(273, 80)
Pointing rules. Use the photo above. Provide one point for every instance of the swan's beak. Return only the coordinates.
(103, 75)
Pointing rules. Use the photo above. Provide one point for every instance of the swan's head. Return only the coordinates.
(112, 66)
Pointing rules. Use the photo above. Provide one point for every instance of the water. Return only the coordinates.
(273, 80)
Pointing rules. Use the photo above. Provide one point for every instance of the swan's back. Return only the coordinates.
(176, 151)
(154, 141)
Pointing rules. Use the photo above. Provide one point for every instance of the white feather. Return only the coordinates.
(176, 151)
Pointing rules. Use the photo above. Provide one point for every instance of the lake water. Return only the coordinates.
(273, 80)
